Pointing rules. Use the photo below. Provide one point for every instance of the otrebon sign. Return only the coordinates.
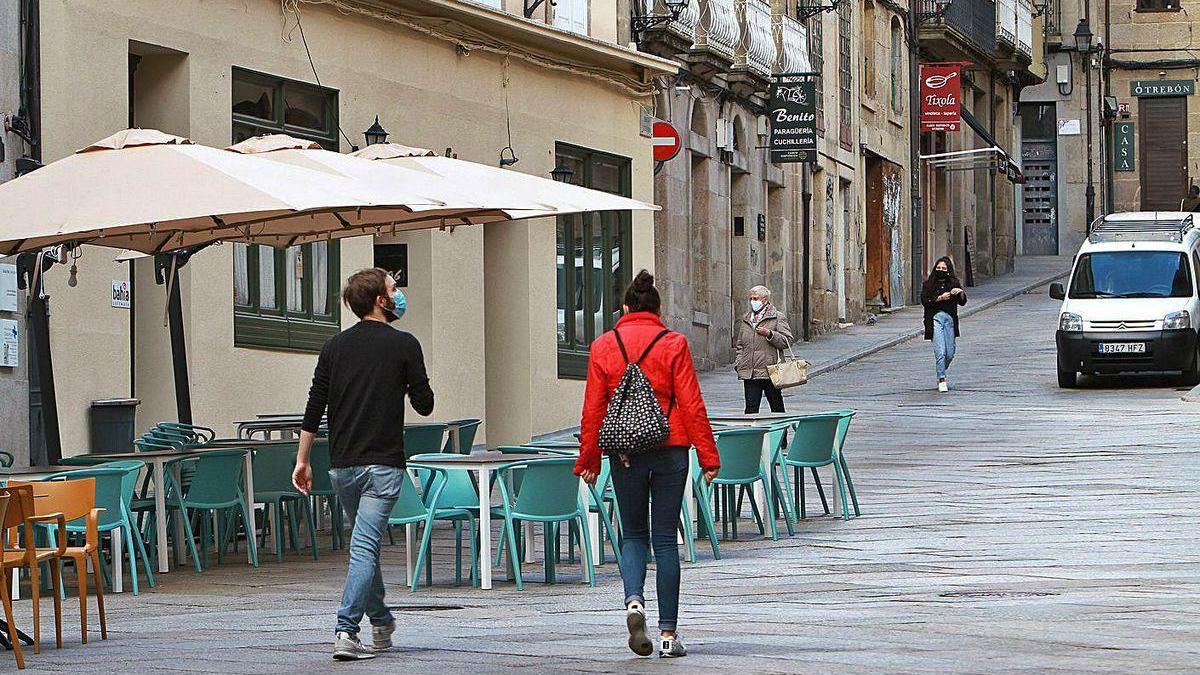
(1145, 88)
(793, 117)
(941, 96)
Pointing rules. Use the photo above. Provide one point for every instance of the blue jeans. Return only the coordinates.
(943, 342)
(368, 494)
(650, 497)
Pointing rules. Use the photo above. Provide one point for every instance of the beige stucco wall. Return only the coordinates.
(426, 95)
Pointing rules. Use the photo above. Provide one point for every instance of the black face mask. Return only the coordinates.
(941, 275)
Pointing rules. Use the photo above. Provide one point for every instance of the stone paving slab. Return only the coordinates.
(1008, 526)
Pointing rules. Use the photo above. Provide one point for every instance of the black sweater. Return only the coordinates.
(930, 290)
(362, 375)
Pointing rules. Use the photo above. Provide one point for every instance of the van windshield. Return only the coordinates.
(1132, 274)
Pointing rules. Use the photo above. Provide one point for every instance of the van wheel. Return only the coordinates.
(1066, 379)
(1191, 376)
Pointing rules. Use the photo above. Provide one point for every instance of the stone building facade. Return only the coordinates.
(970, 200)
(829, 238)
(1145, 115)
(14, 395)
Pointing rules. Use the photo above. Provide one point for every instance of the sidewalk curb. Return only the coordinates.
(970, 311)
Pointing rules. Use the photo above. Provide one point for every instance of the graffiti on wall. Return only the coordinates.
(829, 233)
(892, 203)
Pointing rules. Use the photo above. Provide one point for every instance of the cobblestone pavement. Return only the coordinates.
(1008, 526)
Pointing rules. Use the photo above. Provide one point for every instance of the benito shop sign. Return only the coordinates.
(941, 96)
(793, 118)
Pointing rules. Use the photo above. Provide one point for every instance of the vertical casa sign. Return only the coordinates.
(793, 118)
(941, 96)
(1123, 146)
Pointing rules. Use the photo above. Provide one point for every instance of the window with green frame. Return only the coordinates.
(285, 298)
(593, 258)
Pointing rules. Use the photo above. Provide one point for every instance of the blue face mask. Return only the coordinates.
(399, 305)
(756, 305)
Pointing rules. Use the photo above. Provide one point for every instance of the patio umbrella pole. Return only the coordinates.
(168, 264)
(41, 375)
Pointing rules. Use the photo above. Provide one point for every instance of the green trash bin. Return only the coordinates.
(111, 425)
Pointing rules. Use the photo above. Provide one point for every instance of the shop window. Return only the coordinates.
(592, 251)
(284, 298)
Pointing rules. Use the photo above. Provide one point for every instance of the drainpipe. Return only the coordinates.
(1106, 73)
(806, 260)
(914, 153)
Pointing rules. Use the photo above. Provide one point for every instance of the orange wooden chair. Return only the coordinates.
(27, 511)
(76, 500)
(5, 600)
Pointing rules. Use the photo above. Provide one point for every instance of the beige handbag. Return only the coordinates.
(789, 372)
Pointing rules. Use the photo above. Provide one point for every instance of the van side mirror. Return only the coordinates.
(1057, 291)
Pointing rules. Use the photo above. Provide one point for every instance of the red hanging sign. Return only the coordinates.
(941, 96)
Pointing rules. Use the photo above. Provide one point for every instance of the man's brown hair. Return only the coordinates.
(362, 288)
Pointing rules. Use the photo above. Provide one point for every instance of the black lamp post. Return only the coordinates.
(640, 23)
(562, 173)
(376, 133)
(1083, 45)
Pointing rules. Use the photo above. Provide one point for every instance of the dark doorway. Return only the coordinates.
(1039, 194)
(1163, 136)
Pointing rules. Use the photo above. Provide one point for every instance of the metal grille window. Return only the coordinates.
(284, 299)
(816, 52)
(592, 258)
(845, 15)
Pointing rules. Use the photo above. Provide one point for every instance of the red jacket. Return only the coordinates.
(670, 371)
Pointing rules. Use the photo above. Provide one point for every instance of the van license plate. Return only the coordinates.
(1122, 347)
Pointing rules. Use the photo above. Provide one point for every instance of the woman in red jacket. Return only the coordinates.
(649, 487)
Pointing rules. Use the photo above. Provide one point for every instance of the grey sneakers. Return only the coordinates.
(635, 620)
(381, 636)
(672, 647)
(347, 647)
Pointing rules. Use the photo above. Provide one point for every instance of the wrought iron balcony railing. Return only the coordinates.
(756, 42)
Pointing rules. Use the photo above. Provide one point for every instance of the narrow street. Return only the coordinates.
(1008, 526)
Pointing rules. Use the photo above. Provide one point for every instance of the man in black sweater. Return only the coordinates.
(362, 376)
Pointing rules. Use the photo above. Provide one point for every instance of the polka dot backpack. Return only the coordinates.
(634, 422)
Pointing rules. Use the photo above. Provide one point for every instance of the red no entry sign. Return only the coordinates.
(665, 141)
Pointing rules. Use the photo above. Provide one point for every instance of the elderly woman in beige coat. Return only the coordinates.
(762, 333)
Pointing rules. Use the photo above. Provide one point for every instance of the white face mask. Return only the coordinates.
(756, 305)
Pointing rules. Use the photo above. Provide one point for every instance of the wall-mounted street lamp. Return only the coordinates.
(1083, 45)
(562, 173)
(640, 23)
(375, 134)
(807, 9)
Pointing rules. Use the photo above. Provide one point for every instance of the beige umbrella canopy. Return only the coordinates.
(562, 198)
(148, 191)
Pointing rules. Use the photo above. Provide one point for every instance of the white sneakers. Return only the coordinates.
(943, 387)
(635, 620)
(347, 647)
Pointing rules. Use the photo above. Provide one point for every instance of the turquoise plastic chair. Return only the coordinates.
(411, 509)
(815, 444)
(776, 441)
(548, 494)
(322, 488)
(704, 515)
(273, 464)
(116, 483)
(216, 486)
(423, 438)
(458, 502)
(845, 416)
(466, 436)
(741, 452)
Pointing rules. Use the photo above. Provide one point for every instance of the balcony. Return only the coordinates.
(673, 38)
(717, 36)
(1006, 23)
(1025, 28)
(755, 51)
(964, 31)
(791, 45)
(1014, 34)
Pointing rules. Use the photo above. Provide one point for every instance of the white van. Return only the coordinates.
(1131, 304)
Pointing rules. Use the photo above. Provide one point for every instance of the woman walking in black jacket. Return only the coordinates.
(942, 294)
